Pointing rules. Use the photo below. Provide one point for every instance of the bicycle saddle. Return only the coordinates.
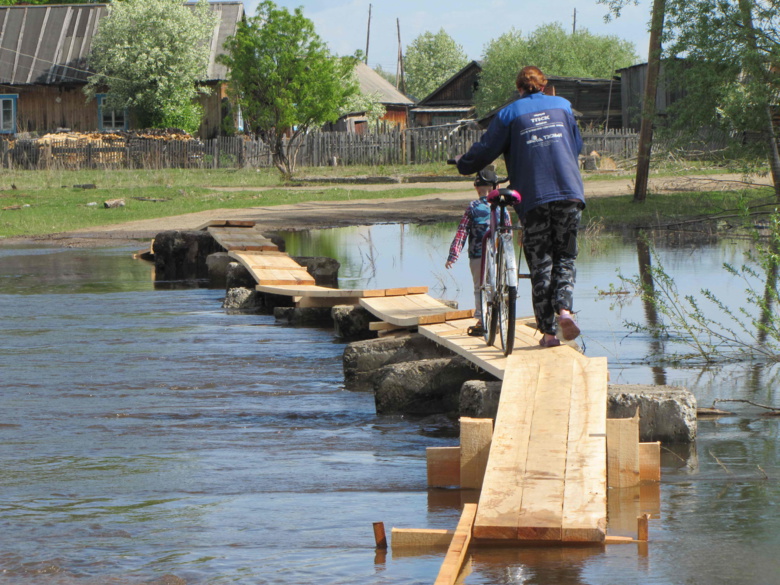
(504, 197)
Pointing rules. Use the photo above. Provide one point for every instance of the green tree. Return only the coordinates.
(391, 77)
(285, 79)
(731, 51)
(555, 51)
(148, 56)
(430, 60)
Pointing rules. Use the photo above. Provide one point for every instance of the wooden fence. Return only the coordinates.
(395, 147)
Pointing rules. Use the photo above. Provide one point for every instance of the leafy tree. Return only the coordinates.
(285, 79)
(430, 60)
(555, 51)
(731, 51)
(149, 54)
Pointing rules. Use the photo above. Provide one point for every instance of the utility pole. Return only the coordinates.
(574, 23)
(400, 84)
(648, 107)
(368, 32)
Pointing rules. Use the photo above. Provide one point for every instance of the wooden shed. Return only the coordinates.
(633, 92)
(43, 70)
(452, 101)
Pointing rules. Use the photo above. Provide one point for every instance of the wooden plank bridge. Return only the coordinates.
(545, 462)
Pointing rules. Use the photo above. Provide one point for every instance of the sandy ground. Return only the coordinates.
(438, 207)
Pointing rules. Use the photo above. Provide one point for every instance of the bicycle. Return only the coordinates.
(498, 274)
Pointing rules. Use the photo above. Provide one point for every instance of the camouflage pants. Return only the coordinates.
(550, 247)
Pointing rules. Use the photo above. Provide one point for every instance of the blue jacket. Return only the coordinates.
(540, 141)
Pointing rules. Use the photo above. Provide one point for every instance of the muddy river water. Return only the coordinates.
(146, 436)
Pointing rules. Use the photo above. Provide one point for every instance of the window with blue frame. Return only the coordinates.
(8, 113)
(110, 119)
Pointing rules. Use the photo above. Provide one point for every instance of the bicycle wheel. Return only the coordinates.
(487, 291)
(506, 296)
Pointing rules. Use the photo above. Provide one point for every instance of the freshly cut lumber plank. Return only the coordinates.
(382, 326)
(541, 515)
(404, 310)
(475, 437)
(502, 495)
(456, 553)
(452, 335)
(585, 494)
(443, 466)
(623, 452)
(420, 537)
(650, 461)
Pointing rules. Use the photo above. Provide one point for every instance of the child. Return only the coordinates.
(473, 226)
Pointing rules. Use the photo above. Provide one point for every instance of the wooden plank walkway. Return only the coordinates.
(546, 471)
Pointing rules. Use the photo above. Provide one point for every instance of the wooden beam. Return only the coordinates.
(456, 553)
(443, 465)
(379, 535)
(642, 527)
(420, 537)
(650, 461)
(475, 437)
(383, 326)
(623, 452)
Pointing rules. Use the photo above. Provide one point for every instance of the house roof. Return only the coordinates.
(371, 83)
(472, 67)
(49, 44)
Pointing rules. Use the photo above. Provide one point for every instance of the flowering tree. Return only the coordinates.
(148, 56)
(430, 60)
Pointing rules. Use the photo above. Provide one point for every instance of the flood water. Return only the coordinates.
(147, 436)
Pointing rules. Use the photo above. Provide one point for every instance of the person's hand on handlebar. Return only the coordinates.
(454, 161)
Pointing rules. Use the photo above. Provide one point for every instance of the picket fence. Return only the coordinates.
(395, 147)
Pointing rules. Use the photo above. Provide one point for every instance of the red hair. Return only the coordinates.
(531, 80)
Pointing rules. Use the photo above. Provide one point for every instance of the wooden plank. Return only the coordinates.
(459, 314)
(650, 461)
(314, 301)
(443, 466)
(475, 437)
(541, 515)
(585, 494)
(452, 335)
(623, 452)
(420, 537)
(456, 553)
(404, 310)
(501, 499)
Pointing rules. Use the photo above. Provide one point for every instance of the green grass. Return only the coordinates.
(53, 205)
(661, 210)
(53, 210)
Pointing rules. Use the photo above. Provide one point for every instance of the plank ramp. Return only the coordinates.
(546, 473)
(273, 269)
(241, 238)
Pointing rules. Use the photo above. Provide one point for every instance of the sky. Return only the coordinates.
(342, 24)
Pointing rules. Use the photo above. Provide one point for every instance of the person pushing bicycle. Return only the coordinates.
(540, 141)
(472, 228)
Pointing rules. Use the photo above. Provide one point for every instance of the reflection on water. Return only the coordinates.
(146, 433)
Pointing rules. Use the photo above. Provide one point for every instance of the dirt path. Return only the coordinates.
(447, 206)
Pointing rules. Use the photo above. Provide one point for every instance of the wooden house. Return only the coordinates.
(43, 70)
(452, 101)
(372, 84)
(596, 102)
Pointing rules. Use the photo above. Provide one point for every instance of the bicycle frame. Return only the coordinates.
(498, 280)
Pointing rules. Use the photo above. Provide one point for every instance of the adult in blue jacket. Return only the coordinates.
(540, 141)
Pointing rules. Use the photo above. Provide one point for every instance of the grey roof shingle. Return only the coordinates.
(49, 44)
